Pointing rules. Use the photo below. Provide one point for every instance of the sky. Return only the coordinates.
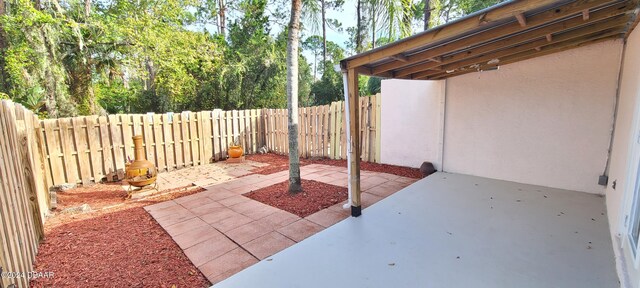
(347, 17)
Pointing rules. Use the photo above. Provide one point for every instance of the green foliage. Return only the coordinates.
(330, 88)
(448, 10)
(122, 56)
(374, 85)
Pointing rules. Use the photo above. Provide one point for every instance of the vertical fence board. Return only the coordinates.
(217, 124)
(343, 131)
(158, 142)
(93, 133)
(207, 136)
(117, 145)
(53, 151)
(127, 137)
(66, 141)
(332, 134)
(186, 145)
(82, 144)
(236, 131)
(107, 159)
(259, 129)
(224, 144)
(43, 197)
(247, 132)
(229, 129)
(378, 127)
(277, 130)
(176, 131)
(169, 144)
(193, 139)
(241, 129)
(325, 131)
(147, 135)
(254, 130)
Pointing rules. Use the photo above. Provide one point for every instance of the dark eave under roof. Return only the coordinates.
(506, 33)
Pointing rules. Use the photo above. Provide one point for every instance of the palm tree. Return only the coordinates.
(295, 185)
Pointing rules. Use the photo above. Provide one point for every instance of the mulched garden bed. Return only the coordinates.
(279, 163)
(116, 245)
(276, 163)
(315, 197)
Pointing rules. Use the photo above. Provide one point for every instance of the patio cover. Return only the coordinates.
(506, 33)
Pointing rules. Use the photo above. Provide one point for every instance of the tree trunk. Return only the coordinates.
(358, 28)
(222, 18)
(87, 9)
(373, 26)
(427, 13)
(80, 88)
(324, 35)
(295, 185)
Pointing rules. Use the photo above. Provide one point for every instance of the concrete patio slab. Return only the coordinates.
(300, 229)
(268, 245)
(327, 217)
(223, 232)
(227, 264)
(452, 230)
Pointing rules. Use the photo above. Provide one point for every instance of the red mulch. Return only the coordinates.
(315, 197)
(276, 163)
(279, 163)
(97, 196)
(116, 245)
(122, 249)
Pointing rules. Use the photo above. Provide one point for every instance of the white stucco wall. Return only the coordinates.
(629, 102)
(411, 121)
(545, 121)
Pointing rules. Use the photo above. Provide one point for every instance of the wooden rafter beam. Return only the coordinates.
(518, 39)
(495, 15)
(495, 33)
(585, 34)
(522, 20)
(436, 59)
(399, 57)
(525, 56)
(634, 23)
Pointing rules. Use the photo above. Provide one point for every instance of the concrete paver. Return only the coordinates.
(222, 232)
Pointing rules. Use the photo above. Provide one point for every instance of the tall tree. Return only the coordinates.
(295, 185)
(316, 46)
(427, 13)
(359, 27)
(315, 11)
(222, 17)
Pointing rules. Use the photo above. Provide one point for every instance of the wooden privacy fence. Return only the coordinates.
(23, 191)
(90, 148)
(322, 130)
